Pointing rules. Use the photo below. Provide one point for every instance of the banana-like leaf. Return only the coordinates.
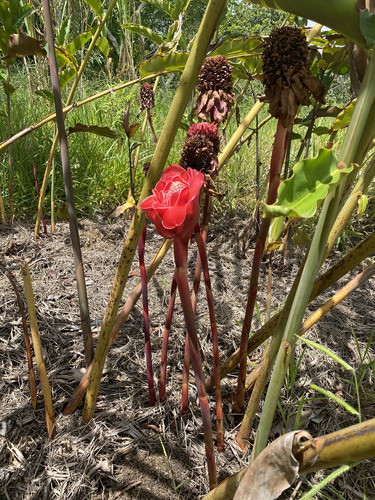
(22, 45)
(171, 62)
(344, 117)
(335, 59)
(367, 24)
(6, 18)
(79, 41)
(179, 8)
(303, 193)
(96, 6)
(93, 129)
(46, 94)
(340, 15)
(65, 76)
(103, 45)
(22, 12)
(240, 47)
(64, 57)
(63, 34)
(144, 31)
(164, 5)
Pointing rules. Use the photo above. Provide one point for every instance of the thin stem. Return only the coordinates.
(37, 193)
(10, 163)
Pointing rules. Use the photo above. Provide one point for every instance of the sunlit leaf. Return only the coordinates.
(47, 94)
(170, 62)
(367, 25)
(22, 45)
(130, 203)
(103, 45)
(362, 205)
(239, 47)
(338, 400)
(96, 6)
(64, 57)
(335, 59)
(93, 129)
(64, 31)
(179, 8)
(321, 130)
(344, 117)
(144, 31)
(79, 41)
(66, 75)
(303, 193)
(23, 12)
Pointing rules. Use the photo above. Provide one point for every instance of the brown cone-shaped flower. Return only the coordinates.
(147, 96)
(215, 89)
(201, 148)
(286, 74)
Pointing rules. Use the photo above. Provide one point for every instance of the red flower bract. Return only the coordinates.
(174, 205)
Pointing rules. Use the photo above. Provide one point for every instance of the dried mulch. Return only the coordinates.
(130, 450)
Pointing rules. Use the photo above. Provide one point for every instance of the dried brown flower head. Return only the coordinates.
(201, 147)
(286, 74)
(215, 89)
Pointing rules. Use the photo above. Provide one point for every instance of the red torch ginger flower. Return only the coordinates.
(174, 205)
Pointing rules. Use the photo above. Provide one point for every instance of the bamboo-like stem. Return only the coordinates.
(119, 323)
(164, 348)
(351, 146)
(146, 319)
(2, 209)
(343, 266)
(26, 337)
(69, 192)
(188, 78)
(180, 255)
(277, 159)
(38, 352)
(10, 163)
(215, 339)
(38, 196)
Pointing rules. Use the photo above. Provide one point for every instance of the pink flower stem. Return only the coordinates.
(180, 255)
(164, 348)
(194, 298)
(146, 319)
(215, 339)
(37, 193)
(277, 159)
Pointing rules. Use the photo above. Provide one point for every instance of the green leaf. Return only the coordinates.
(367, 26)
(179, 8)
(303, 193)
(93, 129)
(8, 89)
(6, 18)
(79, 41)
(336, 59)
(66, 75)
(332, 396)
(23, 12)
(362, 205)
(164, 5)
(63, 32)
(64, 57)
(103, 45)
(144, 31)
(96, 6)
(46, 94)
(326, 351)
(166, 63)
(321, 130)
(22, 45)
(240, 47)
(344, 117)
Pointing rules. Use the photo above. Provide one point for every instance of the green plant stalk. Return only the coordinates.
(187, 82)
(10, 163)
(38, 351)
(236, 104)
(180, 255)
(343, 266)
(340, 15)
(326, 220)
(215, 339)
(119, 323)
(69, 192)
(277, 159)
(69, 100)
(2, 209)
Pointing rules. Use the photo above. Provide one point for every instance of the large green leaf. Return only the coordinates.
(344, 117)
(144, 31)
(179, 8)
(167, 63)
(23, 12)
(66, 75)
(164, 5)
(79, 41)
(303, 193)
(367, 24)
(63, 33)
(96, 6)
(6, 18)
(103, 45)
(241, 46)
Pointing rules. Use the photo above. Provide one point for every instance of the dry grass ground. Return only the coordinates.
(130, 450)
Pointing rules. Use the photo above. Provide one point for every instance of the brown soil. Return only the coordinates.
(130, 450)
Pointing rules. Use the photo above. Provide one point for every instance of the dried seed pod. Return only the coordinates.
(215, 89)
(286, 74)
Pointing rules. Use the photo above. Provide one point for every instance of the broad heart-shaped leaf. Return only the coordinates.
(344, 117)
(303, 193)
(171, 62)
(367, 25)
(96, 6)
(93, 129)
(144, 31)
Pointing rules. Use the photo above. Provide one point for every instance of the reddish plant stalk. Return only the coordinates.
(277, 159)
(180, 255)
(146, 319)
(164, 348)
(194, 298)
(215, 339)
(37, 193)
(149, 118)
